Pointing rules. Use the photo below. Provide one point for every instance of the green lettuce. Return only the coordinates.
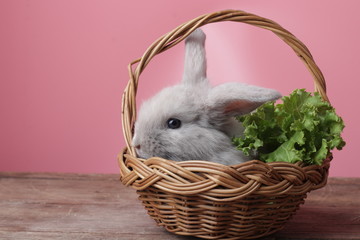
(301, 128)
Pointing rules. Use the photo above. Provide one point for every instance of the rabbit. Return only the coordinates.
(193, 120)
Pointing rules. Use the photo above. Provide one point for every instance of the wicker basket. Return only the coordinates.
(211, 200)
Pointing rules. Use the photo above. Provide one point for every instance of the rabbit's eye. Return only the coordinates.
(173, 123)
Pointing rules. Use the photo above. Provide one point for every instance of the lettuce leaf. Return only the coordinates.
(301, 128)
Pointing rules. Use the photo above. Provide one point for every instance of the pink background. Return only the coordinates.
(63, 67)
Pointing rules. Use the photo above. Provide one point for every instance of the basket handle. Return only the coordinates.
(181, 32)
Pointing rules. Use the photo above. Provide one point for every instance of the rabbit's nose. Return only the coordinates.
(135, 143)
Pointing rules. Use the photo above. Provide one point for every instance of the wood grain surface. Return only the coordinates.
(78, 206)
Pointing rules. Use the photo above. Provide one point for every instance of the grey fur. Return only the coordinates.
(206, 113)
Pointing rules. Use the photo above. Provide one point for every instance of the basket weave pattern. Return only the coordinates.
(210, 200)
(214, 201)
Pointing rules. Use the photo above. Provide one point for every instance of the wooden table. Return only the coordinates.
(76, 206)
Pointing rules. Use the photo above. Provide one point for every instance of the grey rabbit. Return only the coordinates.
(193, 120)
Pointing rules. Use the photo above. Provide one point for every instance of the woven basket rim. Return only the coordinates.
(223, 183)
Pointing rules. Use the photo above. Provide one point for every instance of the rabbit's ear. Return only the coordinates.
(195, 58)
(234, 99)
